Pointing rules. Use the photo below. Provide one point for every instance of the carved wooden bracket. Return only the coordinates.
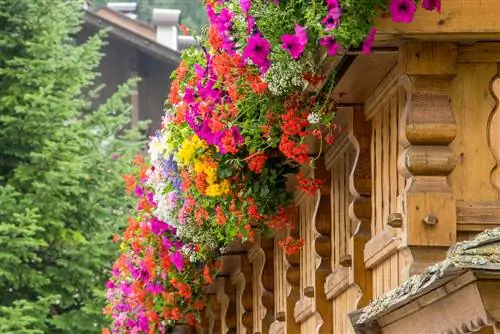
(223, 300)
(315, 229)
(292, 278)
(428, 126)
(241, 278)
(261, 258)
(281, 287)
(494, 134)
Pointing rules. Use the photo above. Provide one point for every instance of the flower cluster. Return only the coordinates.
(241, 110)
(158, 280)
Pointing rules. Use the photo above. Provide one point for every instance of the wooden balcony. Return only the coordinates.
(415, 171)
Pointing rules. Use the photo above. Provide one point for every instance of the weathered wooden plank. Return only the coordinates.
(483, 52)
(385, 181)
(393, 149)
(459, 18)
(477, 216)
(378, 174)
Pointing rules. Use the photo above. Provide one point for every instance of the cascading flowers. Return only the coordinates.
(240, 112)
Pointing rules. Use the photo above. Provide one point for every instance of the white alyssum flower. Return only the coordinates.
(282, 77)
(313, 118)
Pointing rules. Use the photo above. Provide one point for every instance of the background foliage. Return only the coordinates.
(61, 196)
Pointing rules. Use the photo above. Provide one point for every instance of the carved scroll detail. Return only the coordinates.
(280, 286)
(360, 208)
(315, 229)
(494, 134)
(292, 276)
(241, 278)
(257, 258)
(223, 300)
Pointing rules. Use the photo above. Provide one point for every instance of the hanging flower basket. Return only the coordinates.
(240, 111)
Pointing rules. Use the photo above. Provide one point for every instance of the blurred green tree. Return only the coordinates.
(61, 192)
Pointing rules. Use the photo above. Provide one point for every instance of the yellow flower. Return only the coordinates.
(188, 148)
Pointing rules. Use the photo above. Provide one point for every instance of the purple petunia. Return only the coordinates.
(154, 288)
(296, 43)
(368, 42)
(224, 20)
(402, 10)
(166, 242)
(332, 4)
(257, 50)
(158, 227)
(245, 5)
(432, 5)
(331, 45)
(177, 260)
(332, 20)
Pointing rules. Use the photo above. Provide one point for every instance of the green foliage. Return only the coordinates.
(61, 193)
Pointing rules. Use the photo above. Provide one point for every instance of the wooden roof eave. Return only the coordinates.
(151, 47)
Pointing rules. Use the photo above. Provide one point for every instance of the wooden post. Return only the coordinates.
(313, 310)
(428, 126)
(241, 278)
(360, 187)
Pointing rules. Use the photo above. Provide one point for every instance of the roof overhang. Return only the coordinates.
(139, 37)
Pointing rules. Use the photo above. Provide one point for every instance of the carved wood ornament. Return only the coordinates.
(428, 126)
(494, 134)
(312, 310)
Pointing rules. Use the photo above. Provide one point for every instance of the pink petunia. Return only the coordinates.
(332, 20)
(245, 5)
(402, 10)
(432, 5)
(331, 45)
(296, 43)
(177, 260)
(368, 42)
(257, 50)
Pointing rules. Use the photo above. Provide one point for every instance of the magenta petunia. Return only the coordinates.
(177, 260)
(296, 43)
(332, 4)
(257, 50)
(245, 5)
(368, 42)
(301, 33)
(250, 24)
(154, 288)
(331, 45)
(332, 20)
(224, 20)
(402, 10)
(158, 227)
(166, 242)
(432, 5)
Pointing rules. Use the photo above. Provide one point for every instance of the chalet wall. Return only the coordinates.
(387, 184)
(473, 102)
(153, 88)
(122, 61)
